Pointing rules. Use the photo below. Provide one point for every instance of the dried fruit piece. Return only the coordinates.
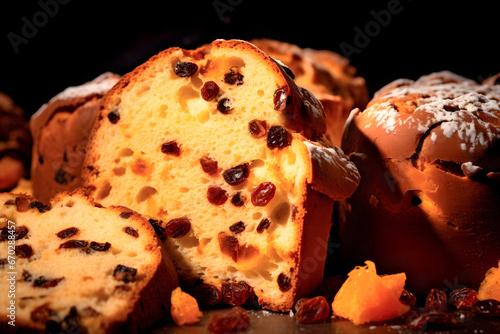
(490, 286)
(41, 313)
(124, 273)
(185, 69)
(284, 282)
(178, 227)
(436, 301)
(209, 90)
(44, 282)
(224, 106)
(209, 165)
(236, 293)
(463, 299)
(228, 245)
(207, 294)
(279, 98)
(312, 309)
(131, 231)
(216, 195)
(278, 137)
(74, 244)
(68, 232)
(19, 233)
(257, 128)
(24, 251)
(125, 215)
(237, 227)
(100, 247)
(171, 148)
(263, 194)
(237, 199)
(489, 308)
(236, 175)
(430, 320)
(234, 320)
(263, 225)
(114, 115)
(233, 77)
(184, 308)
(60, 176)
(408, 298)
(40, 206)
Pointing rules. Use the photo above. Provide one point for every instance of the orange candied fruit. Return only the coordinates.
(367, 297)
(490, 286)
(184, 308)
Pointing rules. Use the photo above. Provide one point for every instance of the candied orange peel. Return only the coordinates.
(490, 286)
(184, 308)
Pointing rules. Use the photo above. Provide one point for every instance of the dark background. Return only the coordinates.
(81, 39)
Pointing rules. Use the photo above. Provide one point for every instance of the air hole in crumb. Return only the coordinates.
(162, 111)
(115, 251)
(131, 254)
(257, 163)
(185, 94)
(125, 152)
(281, 213)
(188, 242)
(203, 116)
(145, 193)
(257, 215)
(204, 180)
(184, 190)
(260, 92)
(104, 191)
(119, 171)
(69, 204)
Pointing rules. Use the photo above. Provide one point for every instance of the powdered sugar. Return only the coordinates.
(99, 86)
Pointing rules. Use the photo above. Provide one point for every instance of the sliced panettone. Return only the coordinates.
(79, 267)
(217, 145)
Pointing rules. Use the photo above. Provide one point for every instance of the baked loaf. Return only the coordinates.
(15, 143)
(428, 152)
(217, 144)
(80, 268)
(328, 75)
(60, 130)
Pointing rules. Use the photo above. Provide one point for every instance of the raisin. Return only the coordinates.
(171, 148)
(263, 225)
(237, 227)
(72, 320)
(19, 233)
(160, 231)
(131, 231)
(126, 215)
(284, 282)
(257, 128)
(22, 204)
(489, 308)
(430, 320)
(207, 294)
(216, 195)
(209, 90)
(209, 165)
(124, 273)
(100, 247)
(178, 227)
(312, 309)
(224, 106)
(74, 244)
(233, 77)
(234, 320)
(451, 108)
(114, 116)
(185, 69)
(60, 176)
(69, 232)
(228, 245)
(436, 301)
(463, 299)
(24, 251)
(3, 262)
(408, 298)
(27, 276)
(41, 313)
(237, 199)
(236, 175)
(279, 98)
(44, 282)
(278, 137)
(236, 293)
(263, 194)
(40, 206)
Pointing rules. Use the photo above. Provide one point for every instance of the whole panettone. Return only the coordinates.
(428, 152)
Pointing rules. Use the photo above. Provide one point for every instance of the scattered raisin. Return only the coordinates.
(237, 199)
(171, 148)
(257, 128)
(44, 282)
(233, 77)
(178, 227)
(236, 293)
(100, 247)
(489, 308)
(126, 215)
(3, 262)
(278, 137)
(160, 231)
(263, 225)
(234, 320)
(207, 294)
(41, 313)
(224, 106)
(430, 320)
(436, 301)
(236, 175)
(24, 251)
(40, 206)
(228, 245)
(209, 165)
(408, 298)
(451, 108)
(72, 320)
(312, 309)
(69, 232)
(237, 227)
(114, 116)
(279, 98)
(131, 231)
(463, 299)
(263, 194)
(209, 90)
(216, 195)
(19, 233)
(60, 176)
(124, 273)
(74, 244)
(27, 276)
(284, 282)
(185, 69)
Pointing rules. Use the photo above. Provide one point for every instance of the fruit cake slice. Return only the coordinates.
(222, 149)
(79, 267)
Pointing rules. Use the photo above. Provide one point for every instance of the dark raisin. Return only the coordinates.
(41, 313)
(74, 244)
(408, 298)
(178, 227)
(121, 289)
(237, 199)
(263, 225)
(160, 231)
(60, 176)
(27, 276)
(278, 137)
(124, 273)
(263, 194)
(100, 247)
(209, 165)
(126, 215)
(114, 116)
(236, 293)
(284, 282)
(430, 320)
(463, 299)
(72, 320)
(236, 175)
(489, 308)
(19, 233)
(40, 206)
(69, 232)
(224, 106)
(257, 128)
(228, 245)
(451, 108)
(3, 262)
(207, 294)
(216, 195)
(233, 77)
(44, 282)
(312, 309)
(209, 90)
(24, 251)
(232, 321)
(279, 98)
(185, 69)
(131, 231)
(171, 148)
(436, 301)
(237, 227)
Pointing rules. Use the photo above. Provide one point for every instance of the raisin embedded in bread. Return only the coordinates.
(60, 130)
(217, 146)
(428, 152)
(80, 267)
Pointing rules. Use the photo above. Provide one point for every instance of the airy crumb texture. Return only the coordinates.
(212, 144)
(79, 266)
